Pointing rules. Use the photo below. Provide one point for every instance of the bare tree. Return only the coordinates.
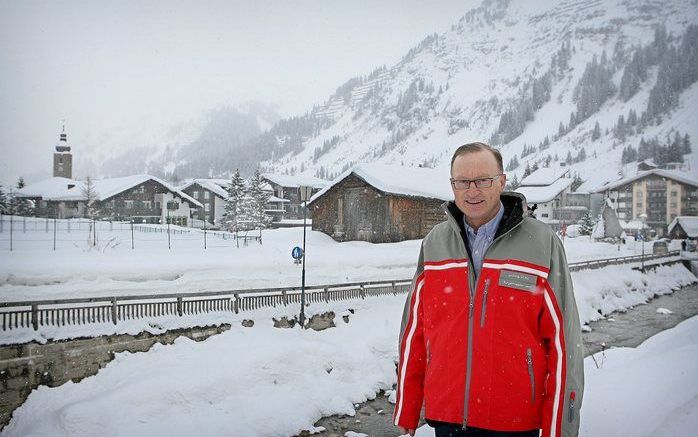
(91, 197)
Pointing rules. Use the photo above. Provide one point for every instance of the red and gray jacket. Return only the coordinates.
(502, 351)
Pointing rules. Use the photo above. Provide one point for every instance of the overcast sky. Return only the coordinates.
(108, 66)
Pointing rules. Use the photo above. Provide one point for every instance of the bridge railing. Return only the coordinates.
(90, 310)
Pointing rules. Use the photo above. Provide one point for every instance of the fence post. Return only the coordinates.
(11, 232)
(362, 292)
(35, 317)
(327, 294)
(236, 304)
(24, 224)
(284, 298)
(54, 233)
(394, 289)
(132, 244)
(113, 310)
(179, 306)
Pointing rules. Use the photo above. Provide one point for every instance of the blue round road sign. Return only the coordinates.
(297, 253)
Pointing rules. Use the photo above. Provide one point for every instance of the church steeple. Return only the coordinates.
(62, 158)
(62, 145)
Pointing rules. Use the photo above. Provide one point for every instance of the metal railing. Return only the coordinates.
(81, 311)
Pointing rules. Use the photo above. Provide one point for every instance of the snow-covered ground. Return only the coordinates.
(294, 377)
(33, 270)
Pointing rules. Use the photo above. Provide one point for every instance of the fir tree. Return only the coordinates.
(233, 204)
(259, 199)
(596, 133)
(3, 201)
(587, 224)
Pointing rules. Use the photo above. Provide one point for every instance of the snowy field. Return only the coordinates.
(33, 270)
(294, 377)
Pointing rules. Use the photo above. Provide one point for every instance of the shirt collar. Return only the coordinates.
(489, 228)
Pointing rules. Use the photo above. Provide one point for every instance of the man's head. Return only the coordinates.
(472, 162)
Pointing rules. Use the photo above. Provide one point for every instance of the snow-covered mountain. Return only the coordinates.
(574, 81)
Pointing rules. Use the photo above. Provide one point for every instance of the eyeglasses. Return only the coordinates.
(464, 184)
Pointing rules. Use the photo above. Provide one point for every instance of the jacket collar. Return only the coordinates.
(514, 204)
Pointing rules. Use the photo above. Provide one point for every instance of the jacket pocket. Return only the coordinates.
(484, 303)
(529, 362)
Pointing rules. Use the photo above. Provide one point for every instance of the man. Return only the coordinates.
(490, 341)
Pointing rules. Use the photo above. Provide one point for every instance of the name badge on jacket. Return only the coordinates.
(519, 280)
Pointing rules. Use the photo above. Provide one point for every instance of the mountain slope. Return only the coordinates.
(551, 69)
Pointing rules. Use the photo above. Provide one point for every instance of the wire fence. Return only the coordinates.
(21, 232)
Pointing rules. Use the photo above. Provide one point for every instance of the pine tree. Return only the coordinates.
(259, 199)
(3, 201)
(514, 184)
(20, 183)
(233, 204)
(587, 224)
(596, 134)
(686, 144)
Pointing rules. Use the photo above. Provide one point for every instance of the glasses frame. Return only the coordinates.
(479, 183)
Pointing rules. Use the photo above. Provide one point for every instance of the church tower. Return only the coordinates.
(62, 158)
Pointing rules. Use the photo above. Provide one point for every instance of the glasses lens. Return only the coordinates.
(483, 183)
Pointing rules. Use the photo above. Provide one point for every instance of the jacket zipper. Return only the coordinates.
(471, 275)
(571, 407)
(484, 304)
(529, 361)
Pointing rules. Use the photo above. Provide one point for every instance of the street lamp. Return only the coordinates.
(305, 193)
(643, 218)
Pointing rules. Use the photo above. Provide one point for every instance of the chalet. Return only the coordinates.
(550, 190)
(381, 203)
(288, 188)
(142, 198)
(658, 196)
(683, 227)
(213, 194)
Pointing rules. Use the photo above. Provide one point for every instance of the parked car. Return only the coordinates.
(660, 247)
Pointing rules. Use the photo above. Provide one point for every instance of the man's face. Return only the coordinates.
(479, 205)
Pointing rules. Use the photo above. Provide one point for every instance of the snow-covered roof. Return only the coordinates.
(57, 188)
(277, 199)
(679, 176)
(633, 225)
(688, 223)
(295, 181)
(403, 181)
(49, 188)
(209, 184)
(542, 194)
(544, 176)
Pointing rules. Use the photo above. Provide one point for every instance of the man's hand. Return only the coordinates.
(404, 431)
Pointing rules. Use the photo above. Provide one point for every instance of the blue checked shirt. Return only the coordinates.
(481, 240)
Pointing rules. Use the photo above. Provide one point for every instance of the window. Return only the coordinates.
(674, 194)
(639, 204)
(146, 204)
(196, 194)
(129, 204)
(638, 194)
(207, 207)
(157, 205)
(43, 204)
(544, 215)
(672, 204)
(207, 195)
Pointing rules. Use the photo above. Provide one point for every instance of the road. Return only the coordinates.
(626, 329)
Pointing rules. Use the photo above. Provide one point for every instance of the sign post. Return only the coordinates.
(305, 193)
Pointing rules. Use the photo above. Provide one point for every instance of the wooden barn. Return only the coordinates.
(381, 203)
